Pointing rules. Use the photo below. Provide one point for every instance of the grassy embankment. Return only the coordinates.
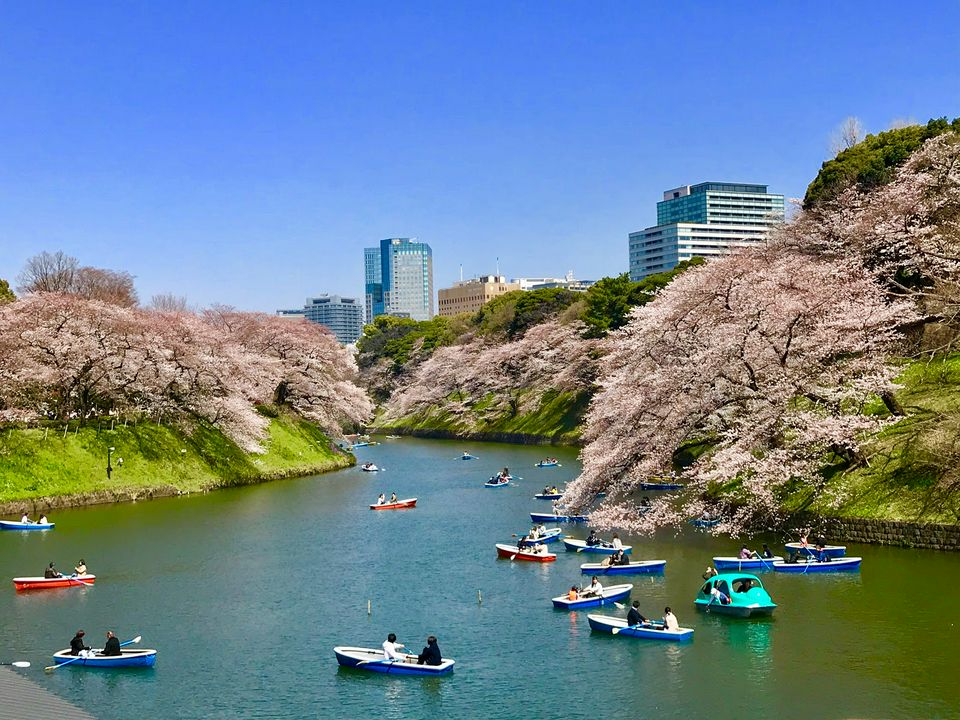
(43, 467)
(907, 477)
(557, 420)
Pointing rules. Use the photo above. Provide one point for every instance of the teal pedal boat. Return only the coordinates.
(737, 594)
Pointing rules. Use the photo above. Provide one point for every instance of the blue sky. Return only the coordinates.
(245, 153)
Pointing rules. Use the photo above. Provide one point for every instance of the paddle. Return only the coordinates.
(51, 668)
(17, 663)
(75, 578)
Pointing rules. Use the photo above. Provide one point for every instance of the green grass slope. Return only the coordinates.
(43, 463)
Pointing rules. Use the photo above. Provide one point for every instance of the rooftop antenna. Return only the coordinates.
(498, 267)
(461, 272)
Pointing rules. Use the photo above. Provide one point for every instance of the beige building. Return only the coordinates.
(470, 295)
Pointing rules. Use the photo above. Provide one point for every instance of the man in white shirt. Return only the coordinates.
(391, 647)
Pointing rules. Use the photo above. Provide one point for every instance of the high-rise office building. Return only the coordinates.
(342, 315)
(404, 285)
(704, 220)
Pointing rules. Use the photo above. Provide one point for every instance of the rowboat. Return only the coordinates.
(609, 596)
(465, 456)
(360, 445)
(17, 525)
(42, 583)
(651, 630)
(392, 437)
(641, 567)
(661, 486)
(737, 594)
(548, 496)
(574, 545)
(126, 659)
(738, 565)
(398, 505)
(375, 661)
(831, 551)
(369, 467)
(551, 535)
(810, 565)
(495, 482)
(542, 464)
(704, 522)
(510, 552)
(549, 517)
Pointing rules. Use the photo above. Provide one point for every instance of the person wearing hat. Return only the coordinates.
(76, 645)
(112, 646)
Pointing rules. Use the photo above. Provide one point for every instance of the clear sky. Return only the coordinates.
(245, 153)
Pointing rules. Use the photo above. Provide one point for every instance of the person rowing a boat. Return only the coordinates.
(633, 615)
(522, 543)
(593, 539)
(595, 589)
(52, 572)
(81, 568)
(112, 646)
(746, 553)
(25, 519)
(382, 499)
(546, 490)
(390, 648)
(76, 644)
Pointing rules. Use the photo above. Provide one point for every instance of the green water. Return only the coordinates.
(245, 592)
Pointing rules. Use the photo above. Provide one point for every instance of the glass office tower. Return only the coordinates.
(404, 284)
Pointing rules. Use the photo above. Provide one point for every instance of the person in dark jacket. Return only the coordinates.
(112, 646)
(51, 572)
(431, 653)
(593, 539)
(76, 645)
(633, 615)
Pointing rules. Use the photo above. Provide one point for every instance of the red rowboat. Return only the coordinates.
(510, 552)
(41, 583)
(398, 505)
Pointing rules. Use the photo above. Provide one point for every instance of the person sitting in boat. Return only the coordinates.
(546, 490)
(719, 597)
(743, 585)
(621, 558)
(51, 572)
(821, 552)
(81, 568)
(522, 543)
(593, 539)
(393, 497)
(766, 553)
(431, 653)
(574, 593)
(615, 543)
(466, 454)
(670, 620)
(382, 499)
(803, 537)
(43, 520)
(746, 553)
(112, 646)
(633, 614)
(390, 648)
(595, 589)
(554, 491)
(534, 533)
(709, 572)
(76, 645)
(25, 519)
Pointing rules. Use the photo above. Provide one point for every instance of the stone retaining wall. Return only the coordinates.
(882, 532)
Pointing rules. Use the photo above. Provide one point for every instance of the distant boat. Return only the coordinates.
(704, 522)
(546, 464)
(737, 594)
(370, 467)
(640, 567)
(650, 630)
(43, 583)
(468, 456)
(550, 517)
(738, 565)
(17, 525)
(549, 536)
(126, 659)
(392, 437)
(574, 545)
(375, 661)
(832, 551)
(497, 482)
(661, 486)
(609, 596)
(512, 552)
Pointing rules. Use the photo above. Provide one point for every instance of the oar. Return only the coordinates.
(17, 663)
(75, 578)
(51, 668)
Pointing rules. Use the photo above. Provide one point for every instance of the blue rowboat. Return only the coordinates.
(609, 596)
(549, 517)
(831, 551)
(548, 464)
(466, 456)
(648, 631)
(661, 486)
(548, 496)
(704, 522)
(805, 567)
(126, 659)
(374, 661)
(11, 525)
(495, 482)
(551, 535)
(574, 545)
(737, 565)
(360, 445)
(737, 594)
(641, 567)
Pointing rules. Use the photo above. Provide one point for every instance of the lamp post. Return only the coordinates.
(109, 466)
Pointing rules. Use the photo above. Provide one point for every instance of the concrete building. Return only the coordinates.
(403, 284)
(704, 220)
(568, 282)
(342, 315)
(470, 295)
